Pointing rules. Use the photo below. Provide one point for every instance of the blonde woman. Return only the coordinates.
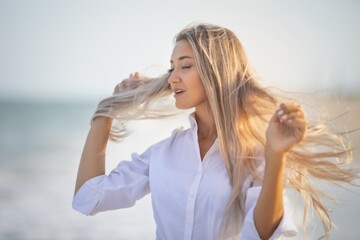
(224, 177)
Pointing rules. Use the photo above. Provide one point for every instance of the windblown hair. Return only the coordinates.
(242, 110)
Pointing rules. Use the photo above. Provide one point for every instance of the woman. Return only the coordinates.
(224, 177)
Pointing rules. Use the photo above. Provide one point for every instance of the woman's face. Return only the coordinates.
(184, 80)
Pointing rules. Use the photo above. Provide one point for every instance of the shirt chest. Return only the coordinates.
(177, 174)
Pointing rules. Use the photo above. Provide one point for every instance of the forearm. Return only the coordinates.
(92, 162)
(269, 208)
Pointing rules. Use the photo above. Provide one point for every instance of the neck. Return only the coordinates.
(206, 123)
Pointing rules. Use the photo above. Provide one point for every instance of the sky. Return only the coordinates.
(78, 50)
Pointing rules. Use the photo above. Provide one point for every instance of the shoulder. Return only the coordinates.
(177, 135)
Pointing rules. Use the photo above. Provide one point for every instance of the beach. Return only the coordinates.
(40, 148)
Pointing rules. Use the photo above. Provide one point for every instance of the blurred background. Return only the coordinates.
(58, 59)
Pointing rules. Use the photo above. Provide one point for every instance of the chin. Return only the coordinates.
(182, 106)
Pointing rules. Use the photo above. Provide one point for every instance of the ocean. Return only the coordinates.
(40, 148)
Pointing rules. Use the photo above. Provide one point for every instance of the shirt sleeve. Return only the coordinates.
(127, 183)
(285, 229)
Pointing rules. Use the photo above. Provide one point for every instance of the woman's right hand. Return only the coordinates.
(134, 81)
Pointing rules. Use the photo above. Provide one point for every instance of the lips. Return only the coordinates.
(178, 92)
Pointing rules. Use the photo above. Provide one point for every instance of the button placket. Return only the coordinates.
(190, 208)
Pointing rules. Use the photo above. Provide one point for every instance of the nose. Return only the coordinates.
(173, 78)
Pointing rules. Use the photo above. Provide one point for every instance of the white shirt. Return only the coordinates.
(189, 196)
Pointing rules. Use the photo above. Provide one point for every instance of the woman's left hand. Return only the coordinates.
(287, 128)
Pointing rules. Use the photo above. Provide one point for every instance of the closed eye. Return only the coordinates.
(183, 67)
(186, 67)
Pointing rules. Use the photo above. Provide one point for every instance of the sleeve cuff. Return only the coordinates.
(286, 227)
(87, 197)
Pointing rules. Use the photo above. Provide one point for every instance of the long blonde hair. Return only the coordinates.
(242, 109)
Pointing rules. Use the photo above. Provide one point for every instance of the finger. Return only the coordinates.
(137, 75)
(290, 110)
(290, 115)
(295, 123)
(289, 107)
(298, 130)
(283, 116)
(300, 134)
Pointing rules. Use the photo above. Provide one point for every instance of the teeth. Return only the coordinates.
(178, 91)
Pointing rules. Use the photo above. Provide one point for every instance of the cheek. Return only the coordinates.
(200, 89)
(202, 94)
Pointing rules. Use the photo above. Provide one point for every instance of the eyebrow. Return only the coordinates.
(182, 58)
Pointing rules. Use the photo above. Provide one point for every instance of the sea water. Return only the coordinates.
(40, 148)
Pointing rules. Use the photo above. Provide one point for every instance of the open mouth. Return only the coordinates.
(178, 92)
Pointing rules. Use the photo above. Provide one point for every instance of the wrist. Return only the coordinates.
(275, 158)
(102, 120)
(275, 151)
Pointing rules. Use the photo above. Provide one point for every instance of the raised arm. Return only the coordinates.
(287, 128)
(92, 162)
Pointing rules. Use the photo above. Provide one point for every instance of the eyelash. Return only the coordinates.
(184, 67)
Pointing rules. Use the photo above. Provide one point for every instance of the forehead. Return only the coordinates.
(182, 48)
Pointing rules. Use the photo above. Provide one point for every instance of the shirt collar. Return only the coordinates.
(192, 120)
